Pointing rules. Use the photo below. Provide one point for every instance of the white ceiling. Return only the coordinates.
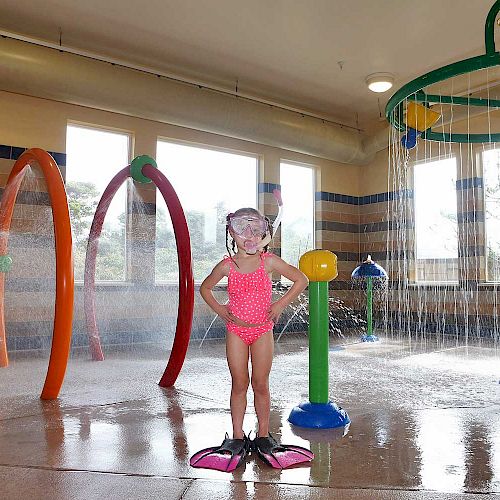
(286, 51)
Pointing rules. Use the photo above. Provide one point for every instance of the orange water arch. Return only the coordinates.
(61, 337)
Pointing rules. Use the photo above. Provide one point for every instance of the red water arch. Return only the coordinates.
(61, 337)
(147, 167)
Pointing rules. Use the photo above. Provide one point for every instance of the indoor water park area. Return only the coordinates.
(250, 250)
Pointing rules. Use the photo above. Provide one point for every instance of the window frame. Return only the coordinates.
(481, 170)
(414, 165)
(314, 170)
(210, 147)
(130, 148)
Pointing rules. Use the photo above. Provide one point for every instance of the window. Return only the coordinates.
(297, 226)
(491, 179)
(94, 156)
(436, 229)
(210, 184)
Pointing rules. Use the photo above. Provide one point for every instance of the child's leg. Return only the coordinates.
(261, 352)
(237, 360)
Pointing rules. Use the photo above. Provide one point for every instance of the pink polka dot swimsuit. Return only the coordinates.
(250, 296)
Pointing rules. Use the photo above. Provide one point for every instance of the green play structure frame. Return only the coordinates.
(394, 110)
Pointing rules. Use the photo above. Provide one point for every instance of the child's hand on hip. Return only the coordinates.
(275, 311)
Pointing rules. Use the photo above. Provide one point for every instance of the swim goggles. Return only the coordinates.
(258, 226)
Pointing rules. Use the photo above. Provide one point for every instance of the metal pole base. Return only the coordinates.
(319, 415)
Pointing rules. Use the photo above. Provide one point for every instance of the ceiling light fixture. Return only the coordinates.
(379, 82)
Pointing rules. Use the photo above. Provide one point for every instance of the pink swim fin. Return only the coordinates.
(280, 456)
(226, 457)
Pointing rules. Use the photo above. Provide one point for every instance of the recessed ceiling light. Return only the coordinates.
(380, 82)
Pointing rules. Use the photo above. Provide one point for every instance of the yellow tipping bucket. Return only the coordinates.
(419, 117)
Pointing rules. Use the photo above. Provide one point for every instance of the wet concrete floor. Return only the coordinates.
(425, 425)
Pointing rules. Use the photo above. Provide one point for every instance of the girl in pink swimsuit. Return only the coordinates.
(250, 313)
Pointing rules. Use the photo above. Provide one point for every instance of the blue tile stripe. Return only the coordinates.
(471, 182)
(385, 197)
(343, 227)
(385, 225)
(268, 187)
(25, 343)
(471, 251)
(59, 157)
(139, 207)
(31, 197)
(41, 341)
(14, 152)
(5, 151)
(476, 216)
(392, 255)
(30, 240)
(336, 197)
(363, 200)
(371, 227)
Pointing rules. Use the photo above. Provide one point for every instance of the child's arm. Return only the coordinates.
(218, 272)
(300, 282)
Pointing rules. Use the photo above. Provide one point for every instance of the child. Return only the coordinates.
(250, 316)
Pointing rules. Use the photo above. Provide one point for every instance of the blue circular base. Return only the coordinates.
(369, 338)
(319, 415)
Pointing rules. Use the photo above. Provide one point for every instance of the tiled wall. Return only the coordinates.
(470, 218)
(30, 285)
(468, 306)
(351, 227)
(382, 225)
(134, 311)
(140, 310)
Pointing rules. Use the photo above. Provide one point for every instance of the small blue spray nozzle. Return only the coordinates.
(369, 269)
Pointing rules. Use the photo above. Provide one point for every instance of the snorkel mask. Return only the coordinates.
(252, 226)
(248, 225)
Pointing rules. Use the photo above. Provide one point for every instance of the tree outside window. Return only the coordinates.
(209, 184)
(94, 156)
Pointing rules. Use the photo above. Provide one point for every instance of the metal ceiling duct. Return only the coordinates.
(44, 72)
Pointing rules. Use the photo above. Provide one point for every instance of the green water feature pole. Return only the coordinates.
(320, 266)
(318, 342)
(369, 302)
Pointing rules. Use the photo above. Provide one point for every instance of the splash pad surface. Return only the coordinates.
(425, 417)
